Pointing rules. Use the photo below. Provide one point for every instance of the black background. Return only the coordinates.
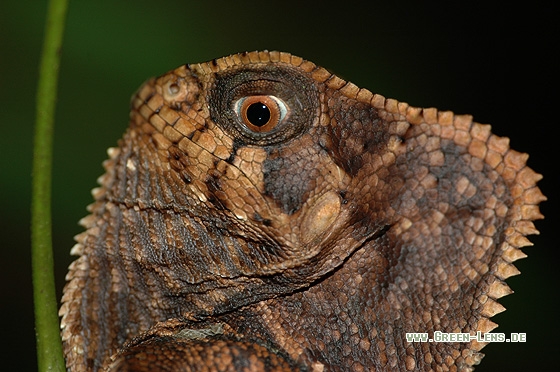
(494, 62)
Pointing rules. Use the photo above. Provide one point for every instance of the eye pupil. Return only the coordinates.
(258, 114)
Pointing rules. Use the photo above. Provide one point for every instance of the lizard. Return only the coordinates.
(261, 213)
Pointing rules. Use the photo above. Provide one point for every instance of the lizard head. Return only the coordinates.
(276, 171)
(261, 174)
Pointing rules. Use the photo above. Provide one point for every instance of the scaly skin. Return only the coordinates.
(313, 241)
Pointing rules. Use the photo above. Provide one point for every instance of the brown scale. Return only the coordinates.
(262, 214)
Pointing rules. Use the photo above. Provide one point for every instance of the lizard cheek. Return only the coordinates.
(320, 216)
(261, 113)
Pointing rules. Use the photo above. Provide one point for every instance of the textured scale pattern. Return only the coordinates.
(313, 244)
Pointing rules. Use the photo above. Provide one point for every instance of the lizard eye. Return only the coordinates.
(261, 113)
(264, 105)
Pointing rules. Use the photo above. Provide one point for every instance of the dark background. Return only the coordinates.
(492, 62)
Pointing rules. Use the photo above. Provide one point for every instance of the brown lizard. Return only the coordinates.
(260, 213)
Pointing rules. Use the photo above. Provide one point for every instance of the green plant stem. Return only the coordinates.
(49, 348)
